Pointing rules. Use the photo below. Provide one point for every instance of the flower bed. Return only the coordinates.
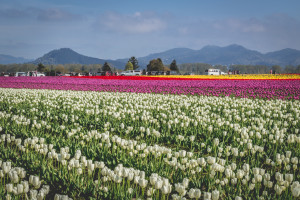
(268, 89)
(201, 77)
(108, 145)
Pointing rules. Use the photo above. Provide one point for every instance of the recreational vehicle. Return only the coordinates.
(214, 72)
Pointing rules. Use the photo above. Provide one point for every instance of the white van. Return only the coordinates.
(131, 73)
(214, 72)
(21, 74)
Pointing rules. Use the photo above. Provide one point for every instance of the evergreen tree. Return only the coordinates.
(106, 67)
(134, 62)
(41, 67)
(173, 66)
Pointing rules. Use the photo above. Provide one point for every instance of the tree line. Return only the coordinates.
(154, 65)
(199, 68)
(55, 69)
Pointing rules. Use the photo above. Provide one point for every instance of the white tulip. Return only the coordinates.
(166, 189)
(130, 176)
(255, 171)
(143, 182)
(153, 179)
(185, 182)
(215, 195)
(150, 191)
(36, 182)
(158, 184)
(295, 187)
(211, 160)
(33, 194)
(9, 187)
(191, 193)
(20, 188)
(180, 189)
(182, 153)
(136, 179)
(207, 195)
(240, 174)
(289, 177)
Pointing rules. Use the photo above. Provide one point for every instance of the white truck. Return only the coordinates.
(35, 74)
(131, 73)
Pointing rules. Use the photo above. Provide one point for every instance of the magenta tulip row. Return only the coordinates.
(269, 89)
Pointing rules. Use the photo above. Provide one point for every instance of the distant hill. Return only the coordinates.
(68, 56)
(229, 55)
(232, 54)
(284, 57)
(7, 59)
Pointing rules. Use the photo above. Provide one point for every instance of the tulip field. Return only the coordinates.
(185, 137)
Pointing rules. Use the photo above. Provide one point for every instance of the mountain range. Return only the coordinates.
(68, 56)
(229, 55)
(232, 54)
(7, 59)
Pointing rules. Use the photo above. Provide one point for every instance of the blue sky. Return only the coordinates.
(112, 29)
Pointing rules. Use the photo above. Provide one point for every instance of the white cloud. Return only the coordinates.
(34, 13)
(239, 25)
(135, 23)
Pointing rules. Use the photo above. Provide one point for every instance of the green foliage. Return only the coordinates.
(129, 66)
(166, 69)
(173, 66)
(134, 62)
(290, 69)
(60, 69)
(298, 69)
(251, 69)
(88, 68)
(41, 67)
(155, 65)
(197, 68)
(12, 68)
(276, 68)
(106, 67)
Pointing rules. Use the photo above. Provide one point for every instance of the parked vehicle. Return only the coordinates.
(21, 74)
(214, 72)
(35, 74)
(173, 73)
(5, 74)
(105, 73)
(78, 74)
(39, 74)
(131, 73)
(189, 73)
